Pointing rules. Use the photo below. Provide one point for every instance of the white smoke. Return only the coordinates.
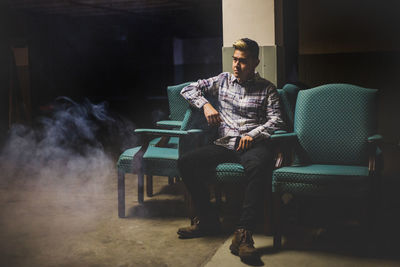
(72, 149)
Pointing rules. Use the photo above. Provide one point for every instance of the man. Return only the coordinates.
(247, 113)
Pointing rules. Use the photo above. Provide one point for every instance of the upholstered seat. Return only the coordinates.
(322, 179)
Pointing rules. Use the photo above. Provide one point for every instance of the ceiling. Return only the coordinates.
(111, 7)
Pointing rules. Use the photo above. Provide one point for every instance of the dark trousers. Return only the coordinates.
(197, 168)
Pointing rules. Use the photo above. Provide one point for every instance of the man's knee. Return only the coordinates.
(257, 167)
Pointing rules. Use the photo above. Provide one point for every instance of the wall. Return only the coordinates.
(258, 20)
(254, 19)
(356, 42)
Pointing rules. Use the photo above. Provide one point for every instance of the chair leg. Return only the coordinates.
(121, 194)
(149, 185)
(170, 180)
(140, 187)
(277, 220)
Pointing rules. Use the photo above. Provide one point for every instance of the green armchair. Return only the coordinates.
(336, 146)
(156, 141)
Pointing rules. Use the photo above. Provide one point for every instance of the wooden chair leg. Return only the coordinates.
(277, 220)
(140, 187)
(149, 185)
(121, 194)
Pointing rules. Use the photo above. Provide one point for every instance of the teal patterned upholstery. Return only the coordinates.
(161, 161)
(124, 163)
(333, 125)
(229, 173)
(177, 104)
(322, 180)
(334, 121)
(172, 142)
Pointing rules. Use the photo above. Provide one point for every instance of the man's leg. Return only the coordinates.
(257, 163)
(197, 167)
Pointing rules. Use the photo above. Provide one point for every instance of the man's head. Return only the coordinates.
(245, 59)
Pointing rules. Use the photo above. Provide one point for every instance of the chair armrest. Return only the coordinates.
(170, 133)
(376, 138)
(169, 124)
(283, 136)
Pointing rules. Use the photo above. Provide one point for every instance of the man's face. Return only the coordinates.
(243, 65)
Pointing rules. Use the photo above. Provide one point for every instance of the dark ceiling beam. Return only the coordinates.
(72, 8)
(110, 3)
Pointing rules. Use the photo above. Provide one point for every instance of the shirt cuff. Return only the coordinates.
(200, 102)
(258, 134)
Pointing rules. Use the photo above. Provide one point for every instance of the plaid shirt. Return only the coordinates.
(251, 108)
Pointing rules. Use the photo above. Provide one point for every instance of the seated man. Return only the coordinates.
(247, 114)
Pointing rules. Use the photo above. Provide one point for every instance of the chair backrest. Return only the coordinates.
(288, 95)
(333, 123)
(177, 104)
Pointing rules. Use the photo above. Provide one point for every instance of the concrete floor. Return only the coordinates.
(74, 222)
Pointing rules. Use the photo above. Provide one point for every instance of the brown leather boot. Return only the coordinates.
(201, 227)
(243, 245)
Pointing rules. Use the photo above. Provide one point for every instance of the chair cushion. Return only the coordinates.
(321, 179)
(161, 153)
(161, 161)
(124, 163)
(172, 143)
(230, 173)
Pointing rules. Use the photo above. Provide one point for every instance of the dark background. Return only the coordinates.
(128, 57)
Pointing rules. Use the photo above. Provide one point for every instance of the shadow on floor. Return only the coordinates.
(175, 189)
(163, 208)
(341, 235)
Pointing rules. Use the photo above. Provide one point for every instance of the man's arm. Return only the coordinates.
(274, 117)
(195, 93)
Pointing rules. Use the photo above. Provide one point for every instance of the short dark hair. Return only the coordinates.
(246, 44)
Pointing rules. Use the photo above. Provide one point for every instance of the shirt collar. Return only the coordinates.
(255, 78)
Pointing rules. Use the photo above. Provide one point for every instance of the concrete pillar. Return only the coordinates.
(262, 21)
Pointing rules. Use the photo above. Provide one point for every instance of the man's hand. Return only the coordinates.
(245, 143)
(211, 114)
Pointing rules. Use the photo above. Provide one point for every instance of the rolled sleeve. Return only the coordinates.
(274, 120)
(195, 93)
